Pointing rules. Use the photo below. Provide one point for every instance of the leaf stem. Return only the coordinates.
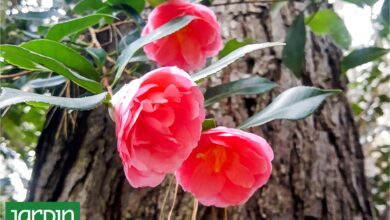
(16, 75)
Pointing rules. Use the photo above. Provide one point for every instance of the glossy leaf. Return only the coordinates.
(10, 97)
(327, 22)
(362, 56)
(232, 45)
(60, 30)
(294, 51)
(230, 58)
(64, 55)
(293, 104)
(167, 29)
(27, 59)
(44, 82)
(99, 55)
(87, 5)
(249, 86)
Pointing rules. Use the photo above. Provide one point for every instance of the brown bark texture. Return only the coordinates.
(318, 168)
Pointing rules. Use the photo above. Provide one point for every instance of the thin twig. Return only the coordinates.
(174, 201)
(94, 40)
(106, 83)
(114, 24)
(194, 209)
(16, 75)
(225, 214)
(161, 217)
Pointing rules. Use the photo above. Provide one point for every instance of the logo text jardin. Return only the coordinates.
(42, 211)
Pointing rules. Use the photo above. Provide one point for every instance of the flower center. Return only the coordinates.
(215, 156)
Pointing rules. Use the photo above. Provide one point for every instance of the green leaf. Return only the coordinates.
(294, 51)
(99, 55)
(10, 97)
(249, 86)
(32, 15)
(230, 58)
(86, 5)
(60, 30)
(38, 104)
(362, 3)
(208, 124)
(27, 59)
(327, 22)
(356, 109)
(64, 55)
(384, 19)
(233, 44)
(362, 56)
(166, 29)
(293, 104)
(44, 82)
(137, 5)
(155, 3)
(129, 38)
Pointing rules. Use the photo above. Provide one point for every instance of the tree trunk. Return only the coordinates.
(318, 167)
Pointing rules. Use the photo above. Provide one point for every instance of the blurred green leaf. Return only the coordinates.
(155, 3)
(60, 30)
(249, 86)
(166, 29)
(230, 58)
(327, 22)
(64, 55)
(293, 104)
(362, 56)
(19, 56)
(362, 3)
(87, 5)
(137, 5)
(232, 45)
(208, 124)
(294, 51)
(356, 108)
(10, 97)
(384, 98)
(38, 104)
(384, 19)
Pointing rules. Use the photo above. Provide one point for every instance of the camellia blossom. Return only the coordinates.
(226, 167)
(189, 47)
(158, 123)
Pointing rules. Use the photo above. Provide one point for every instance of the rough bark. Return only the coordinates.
(318, 167)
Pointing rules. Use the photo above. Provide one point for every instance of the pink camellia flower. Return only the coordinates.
(158, 123)
(189, 47)
(226, 167)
